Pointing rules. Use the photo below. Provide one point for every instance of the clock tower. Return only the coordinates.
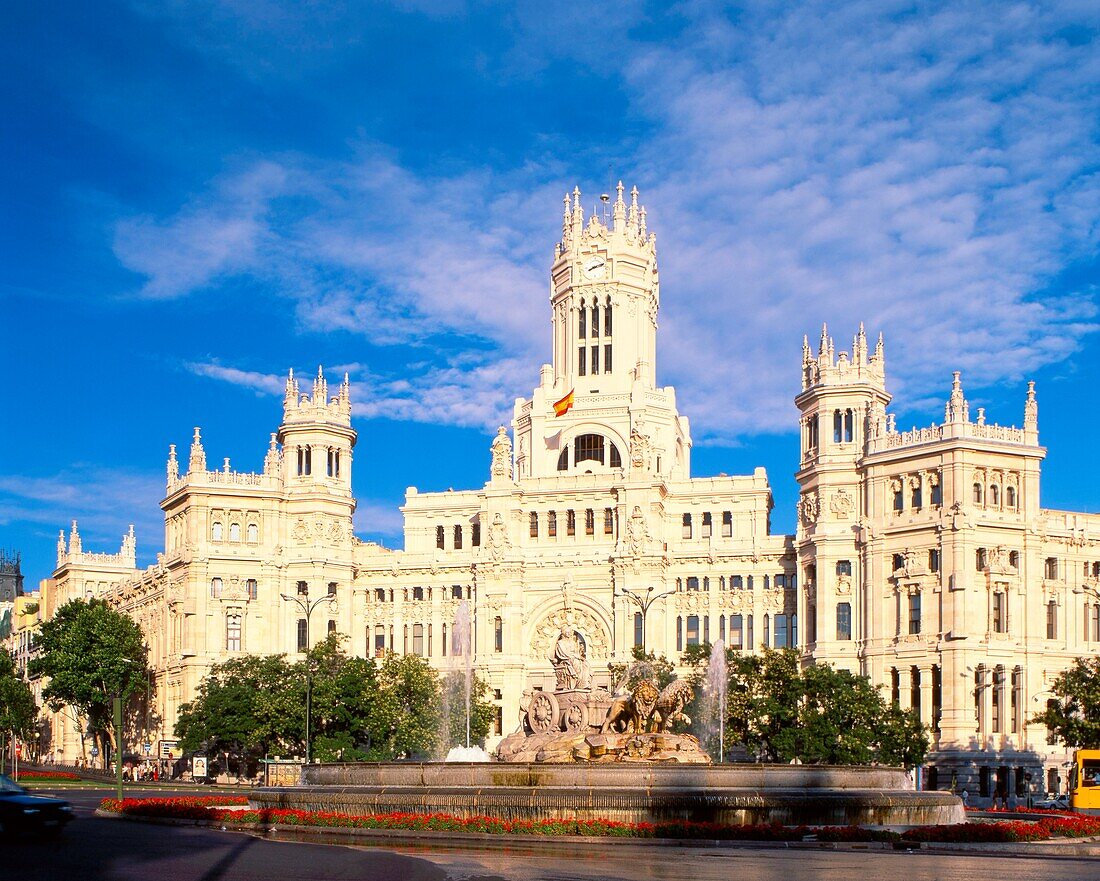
(604, 296)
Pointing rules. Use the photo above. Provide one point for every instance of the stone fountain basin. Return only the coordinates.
(733, 794)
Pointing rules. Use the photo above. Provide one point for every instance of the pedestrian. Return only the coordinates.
(965, 796)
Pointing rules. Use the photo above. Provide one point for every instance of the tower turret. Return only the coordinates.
(316, 436)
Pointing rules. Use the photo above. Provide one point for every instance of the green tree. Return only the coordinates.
(1074, 713)
(482, 710)
(18, 711)
(91, 654)
(781, 711)
(348, 719)
(245, 708)
(644, 665)
(410, 707)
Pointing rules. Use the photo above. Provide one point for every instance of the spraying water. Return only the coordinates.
(462, 641)
(716, 686)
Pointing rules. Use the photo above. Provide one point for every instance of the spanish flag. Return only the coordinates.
(562, 407)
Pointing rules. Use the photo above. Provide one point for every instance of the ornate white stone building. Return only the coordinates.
(921, 558)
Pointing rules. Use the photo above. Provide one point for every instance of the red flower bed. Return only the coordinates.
(38, 776)
(212, 808)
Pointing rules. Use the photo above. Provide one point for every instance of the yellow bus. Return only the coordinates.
(1084, 781)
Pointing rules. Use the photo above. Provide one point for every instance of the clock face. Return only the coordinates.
(595, 268)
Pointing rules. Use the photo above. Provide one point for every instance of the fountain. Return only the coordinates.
(583, 752)
(717, 683)
(462, 644)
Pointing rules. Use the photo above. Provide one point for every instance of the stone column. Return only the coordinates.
(926, 694)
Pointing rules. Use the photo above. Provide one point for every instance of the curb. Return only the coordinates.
(1071, 849)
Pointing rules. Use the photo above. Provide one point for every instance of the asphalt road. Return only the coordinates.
(93, 849)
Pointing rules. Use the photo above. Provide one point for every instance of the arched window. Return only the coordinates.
(439, 537)
(563, 460)
(978, 494)
(849, 426)
(534, 524)
(767, 632)
(458, 536)
(589, 522)
(1010, 496)
(995, 495)
(844, 621)
(498, 634)
(837, 427)
(234, 531)
(552, 524)
(588, 447)
(615, 460)
(608, 521)
(216, 531)
(253, 533)
(607, 318)
(215, 587)
(595, 320)
(582, 316)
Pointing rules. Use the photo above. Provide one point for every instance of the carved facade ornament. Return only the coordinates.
(639, 447)
(842, 504)
(578, 621)
(843, 585)
(301, 531)
(501, 467)
(959, 517)
(637, 533)
(498, 539)
(807, 508)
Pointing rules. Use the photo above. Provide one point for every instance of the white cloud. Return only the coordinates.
(104, 501)
(925, 172)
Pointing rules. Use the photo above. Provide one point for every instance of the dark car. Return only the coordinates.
(21, 813)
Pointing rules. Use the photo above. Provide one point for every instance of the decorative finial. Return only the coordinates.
(1031, 409)
(173, 467)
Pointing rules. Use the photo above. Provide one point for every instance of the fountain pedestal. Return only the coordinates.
(592, 746)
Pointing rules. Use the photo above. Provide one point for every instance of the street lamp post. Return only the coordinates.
(643, 602)
(308, 608)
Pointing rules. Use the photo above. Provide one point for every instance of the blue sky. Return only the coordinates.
(199, 195)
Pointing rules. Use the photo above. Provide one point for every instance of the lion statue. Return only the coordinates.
(632, 711)
(670, 704)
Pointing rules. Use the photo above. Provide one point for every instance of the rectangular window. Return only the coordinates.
(693, 630)
(899, 501)
(844, 567)
(303, 635)
(233, 633)
(917, 498)
(331, 626)
(693, 583)
(914, 613)
(498, 720)
(332, 588)
(582, 319)
(706, 524)
(570, 522)
(934, 560)
(737, 582)
(303, 588)
(595, 360)
(737, 635)
(439, 537)
(937, 494)
(1096, 623)
(639, 630)
(1052, 620)
(475, 534)
(1050, 569)
(458, 536)
(607, 319)
(215, 587)
(498, 634)
(980, 559)
(767, 632)
(844, 621)
(687, 526)
(253, 588)
(727, 524)
(998, 697)
(895, 686)
(679, 634)
(780, 628)
(379, 640)
(608, 521)
(534, 527)
(580, 360)
(418, 640)
(607, 357)
(1014, 702)
(589, 521)
(1000, 613)
(552, 524)
(706, 629)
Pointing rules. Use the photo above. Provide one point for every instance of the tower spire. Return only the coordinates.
(618, 210)
(290, 396)
(173, 467)
(197, 460)
(74, 540)
(1031, 409)
(957, 408)
(60, 546)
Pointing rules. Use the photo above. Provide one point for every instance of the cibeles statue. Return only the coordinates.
(570, 661)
